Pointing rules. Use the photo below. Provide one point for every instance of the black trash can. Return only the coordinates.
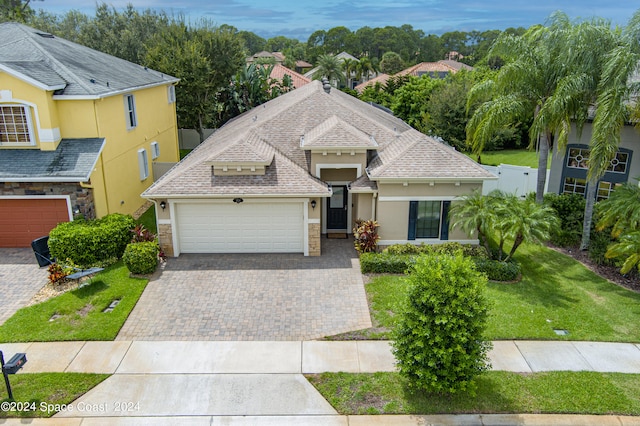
(40, 248)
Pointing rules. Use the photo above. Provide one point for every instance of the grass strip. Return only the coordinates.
(42, 394)
(499, 392)
(79, 313)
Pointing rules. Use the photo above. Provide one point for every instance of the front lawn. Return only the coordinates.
(79, 313)
(39, 394)
(498, 392)
(556, 292)
(516, 157)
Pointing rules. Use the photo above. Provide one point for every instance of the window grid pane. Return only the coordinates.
(14, 126)
(428, 220)
(574, 186)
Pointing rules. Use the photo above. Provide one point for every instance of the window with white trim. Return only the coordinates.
(155, 150)
(143, 164)
(171, 93)
(15, 126)
(130, 111)
(578, 158)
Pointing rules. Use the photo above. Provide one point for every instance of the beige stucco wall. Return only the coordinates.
(393, 215)
(334, 159)
(362, 208)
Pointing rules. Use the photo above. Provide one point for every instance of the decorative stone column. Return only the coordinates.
(314, 239)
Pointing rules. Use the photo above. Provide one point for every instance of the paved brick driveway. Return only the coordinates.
(253, 297)
(20, 279)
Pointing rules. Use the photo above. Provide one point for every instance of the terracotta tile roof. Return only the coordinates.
(303, 64)
(336, 133)
(434, 67)
(298, 80)
(382, 79)
(402, 151)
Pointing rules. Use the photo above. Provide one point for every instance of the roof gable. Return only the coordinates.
(336, 133)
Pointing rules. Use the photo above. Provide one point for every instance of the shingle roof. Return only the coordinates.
(336, 133)
(53, 61)
(281, 122)
(381, 78)
(73, 161)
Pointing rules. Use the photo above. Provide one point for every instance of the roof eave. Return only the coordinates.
(31, 81)
(236, 194)
(115, 92)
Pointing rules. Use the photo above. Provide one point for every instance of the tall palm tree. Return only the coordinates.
(612, 110)
(349, 67)
(364, 68)
(329, 67)
(548, 74)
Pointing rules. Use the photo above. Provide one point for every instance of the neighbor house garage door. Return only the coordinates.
(240, 228)
(24, 220)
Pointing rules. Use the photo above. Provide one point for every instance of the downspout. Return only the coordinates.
(104, 180)
(373, 206)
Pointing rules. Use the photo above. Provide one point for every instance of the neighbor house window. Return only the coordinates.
(171, 94)
(143, 164)
(605, 189)
(428, 219)
(130, 111)
(155, 150)
(574, 186)
(578, 158)
(15, 126)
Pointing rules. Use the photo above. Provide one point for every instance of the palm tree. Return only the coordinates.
(364, 68)
(622, 211)
(550, 72)
(329, 67)
(614, 93)
(349, 66)
(475, 213)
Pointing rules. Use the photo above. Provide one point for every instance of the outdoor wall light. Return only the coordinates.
(163, 205)
(238, 200)
(313, 204)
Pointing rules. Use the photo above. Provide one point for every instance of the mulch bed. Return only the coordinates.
(630, 281)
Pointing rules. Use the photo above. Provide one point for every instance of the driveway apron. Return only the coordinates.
(20, 279)
(253, 297)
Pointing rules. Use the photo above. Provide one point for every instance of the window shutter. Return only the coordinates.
(413, 214)
(444, 229)
(143, 164)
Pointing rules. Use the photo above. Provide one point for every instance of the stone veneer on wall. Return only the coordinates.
(82, 198)
(314, 239)
(165, 238)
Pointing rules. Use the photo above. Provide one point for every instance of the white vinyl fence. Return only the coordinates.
(518, 180)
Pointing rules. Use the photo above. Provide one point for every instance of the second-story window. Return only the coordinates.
(15, 128)
(130, 111)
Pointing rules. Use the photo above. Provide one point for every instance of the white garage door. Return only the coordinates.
(240, 228)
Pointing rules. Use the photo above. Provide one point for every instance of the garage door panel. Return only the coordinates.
(24, 220)
(245, 228)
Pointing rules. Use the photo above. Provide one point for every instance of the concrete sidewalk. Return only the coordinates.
(241, 383)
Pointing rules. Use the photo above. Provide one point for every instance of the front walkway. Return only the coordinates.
(253, 297)
(20, 279)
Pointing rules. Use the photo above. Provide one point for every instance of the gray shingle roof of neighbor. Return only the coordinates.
(73, 161)
(403, 152)
(81, 71)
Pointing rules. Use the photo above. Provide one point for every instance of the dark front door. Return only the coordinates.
(337, 209)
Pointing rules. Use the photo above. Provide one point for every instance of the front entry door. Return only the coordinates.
(337, 209)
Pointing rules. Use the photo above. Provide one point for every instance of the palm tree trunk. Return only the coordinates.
(543, 155)
(592, 188)
(516, 243)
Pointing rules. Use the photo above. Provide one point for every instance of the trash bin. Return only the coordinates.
(40, 248)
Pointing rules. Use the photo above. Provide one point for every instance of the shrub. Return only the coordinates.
(406, 248)
(496, 270)
(141, 258)
(366, 235)
(438, 337)
(142, 234)
(450, 248)
(56, 273)
(384, 263)
(89, 242)
(598, 245)
(570, 210)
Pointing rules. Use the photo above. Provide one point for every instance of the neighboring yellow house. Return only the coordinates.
(79, 131)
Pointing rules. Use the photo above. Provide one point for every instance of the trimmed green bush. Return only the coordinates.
(89, 242)
(450, 248)
(384, 263)
(570, 210)
(141, 258)
(496, 270)
(438, 339)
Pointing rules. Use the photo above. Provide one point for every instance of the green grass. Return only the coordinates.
(148, 219)
(80, 310)
(184, 152)
(556, 292)
(516, 157)
(498, 392)
(42, 391)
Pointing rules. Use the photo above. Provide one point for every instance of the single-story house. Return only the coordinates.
(309, 163)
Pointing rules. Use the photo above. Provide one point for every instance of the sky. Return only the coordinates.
(299, 18)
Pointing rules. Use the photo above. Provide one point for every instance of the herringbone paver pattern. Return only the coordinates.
(253, 297)
(20, 279)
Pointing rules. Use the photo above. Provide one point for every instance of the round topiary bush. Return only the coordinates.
(438, 339)
(141, 258)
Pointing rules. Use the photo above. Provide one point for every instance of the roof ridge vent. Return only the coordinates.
(45, 35)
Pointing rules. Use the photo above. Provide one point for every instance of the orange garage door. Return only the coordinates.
(24, 220)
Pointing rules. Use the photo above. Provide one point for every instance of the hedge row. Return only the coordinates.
(90, 242)
(386, 263)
